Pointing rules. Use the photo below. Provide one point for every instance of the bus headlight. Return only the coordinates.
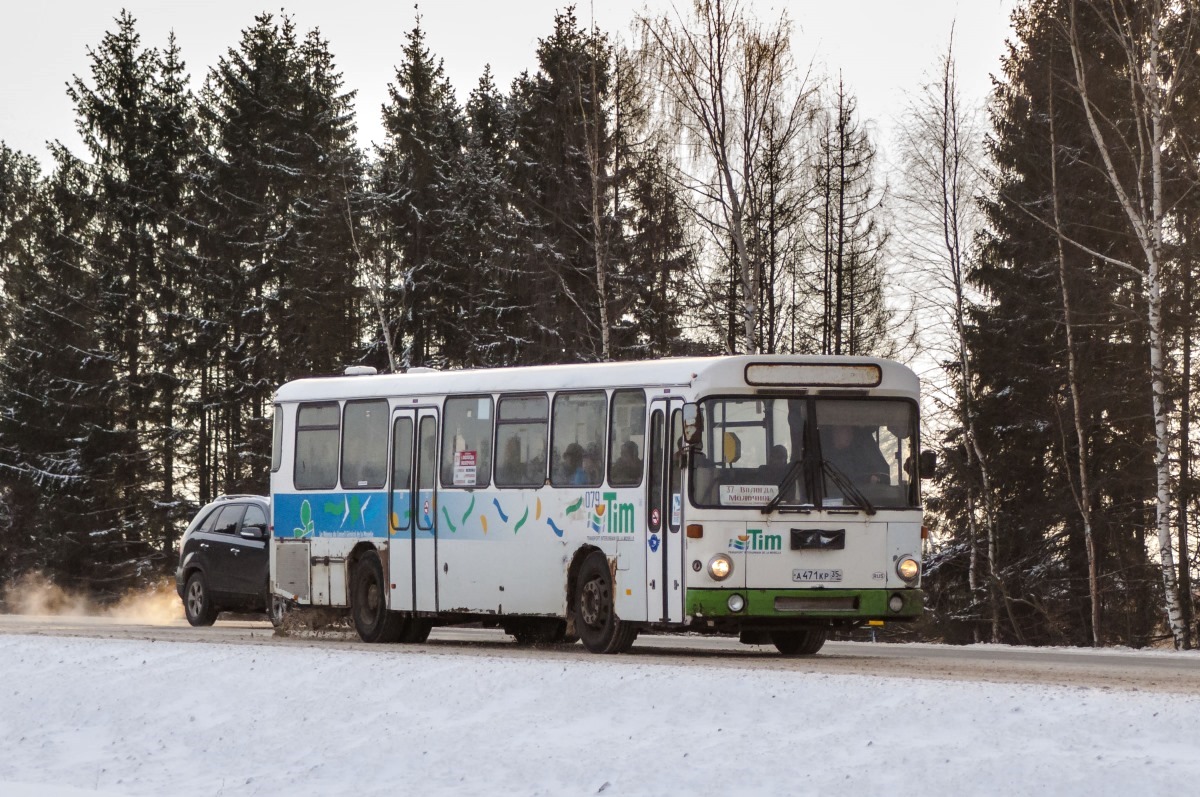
(720, 566)
(736, 602)
(908, 568)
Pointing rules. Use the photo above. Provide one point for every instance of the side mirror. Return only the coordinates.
(693, 423)
(928, 464)
(254, 531)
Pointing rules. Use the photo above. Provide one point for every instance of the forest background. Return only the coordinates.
(695, 190)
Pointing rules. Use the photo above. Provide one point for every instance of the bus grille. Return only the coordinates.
(785, 604)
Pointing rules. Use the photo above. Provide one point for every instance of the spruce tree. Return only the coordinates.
(133, 116)
(277, 293)
(67, 514)
(557, 112)
(1023, 401)
(423, 278)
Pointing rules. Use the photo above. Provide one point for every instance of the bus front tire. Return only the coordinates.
(596, 620)
(799, 643)
(368, 603)
(538, 631)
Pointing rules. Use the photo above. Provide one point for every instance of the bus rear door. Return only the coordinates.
(412, 510)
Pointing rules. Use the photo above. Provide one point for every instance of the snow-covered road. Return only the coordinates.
(126, 717)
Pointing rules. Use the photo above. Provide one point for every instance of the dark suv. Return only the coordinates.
(223, 560)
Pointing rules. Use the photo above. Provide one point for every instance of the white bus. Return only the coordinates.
(773, 497)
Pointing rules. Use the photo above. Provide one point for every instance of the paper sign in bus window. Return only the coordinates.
(464, 468)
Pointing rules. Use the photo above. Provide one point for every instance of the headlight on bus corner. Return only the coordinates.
(720, 566)
(908, 569)
(736, 603)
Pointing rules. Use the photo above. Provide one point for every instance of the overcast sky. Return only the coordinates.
(883, 48)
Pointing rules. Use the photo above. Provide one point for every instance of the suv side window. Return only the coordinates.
(209, 521)
(255, 516)
(229, 519)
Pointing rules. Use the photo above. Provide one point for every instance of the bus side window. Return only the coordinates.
(402, 434)
(317, 432)
(467, 442)
(577, 452)
(521, 441)
(627, 438)
(277, 439)
(675, 451)
(364, 445)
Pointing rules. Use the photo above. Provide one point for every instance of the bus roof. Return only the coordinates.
(702, 374)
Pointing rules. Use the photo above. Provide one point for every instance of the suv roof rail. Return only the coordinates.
(233, 496)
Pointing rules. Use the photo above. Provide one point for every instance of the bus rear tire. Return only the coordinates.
(799, 643)
(416, 630)
(596, 619)
(368, 603)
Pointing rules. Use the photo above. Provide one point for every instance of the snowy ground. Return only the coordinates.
(117, 717)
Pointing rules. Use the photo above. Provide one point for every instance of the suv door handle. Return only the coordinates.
(235, 550)
(204, 545)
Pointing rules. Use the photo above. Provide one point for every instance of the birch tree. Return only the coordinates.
(723, 76)
(942, 183)
(1133, 165)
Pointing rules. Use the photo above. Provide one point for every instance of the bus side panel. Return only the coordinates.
(497, 553)
(332, 523)
(507, 551)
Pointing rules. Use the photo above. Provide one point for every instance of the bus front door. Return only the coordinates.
(664, 515)
(413, 499)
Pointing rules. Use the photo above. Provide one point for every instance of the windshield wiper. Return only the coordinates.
(847, 487)
(788, 480)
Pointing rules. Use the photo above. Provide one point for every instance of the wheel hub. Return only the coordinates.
(195, 598)
(592, 605)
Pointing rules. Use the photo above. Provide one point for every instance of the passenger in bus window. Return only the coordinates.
(512, 469)
(537, 464)
(589, 470)
(855, 453)
(628, 467)
(778, 456)
(571, 468)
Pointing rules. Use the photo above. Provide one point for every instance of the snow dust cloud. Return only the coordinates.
(34, 594)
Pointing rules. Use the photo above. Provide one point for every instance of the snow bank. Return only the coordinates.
(129, 717)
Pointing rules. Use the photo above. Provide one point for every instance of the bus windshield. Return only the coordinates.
(765, 453)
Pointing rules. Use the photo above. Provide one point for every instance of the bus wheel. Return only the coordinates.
(799, 643)
(537, 631)
(596, 621)
(416, 630)
(197, 603)
(368, 603)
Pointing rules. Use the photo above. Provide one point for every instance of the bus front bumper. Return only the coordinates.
(850, 605)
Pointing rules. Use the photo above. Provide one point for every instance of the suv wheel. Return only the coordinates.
(277, 609)
(197, 604)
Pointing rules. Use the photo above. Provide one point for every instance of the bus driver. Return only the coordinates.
(856, 455)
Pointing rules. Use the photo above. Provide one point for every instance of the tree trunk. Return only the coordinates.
(1083, 497)
(1147, 224)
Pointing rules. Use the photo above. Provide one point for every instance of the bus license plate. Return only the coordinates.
(817, 575)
